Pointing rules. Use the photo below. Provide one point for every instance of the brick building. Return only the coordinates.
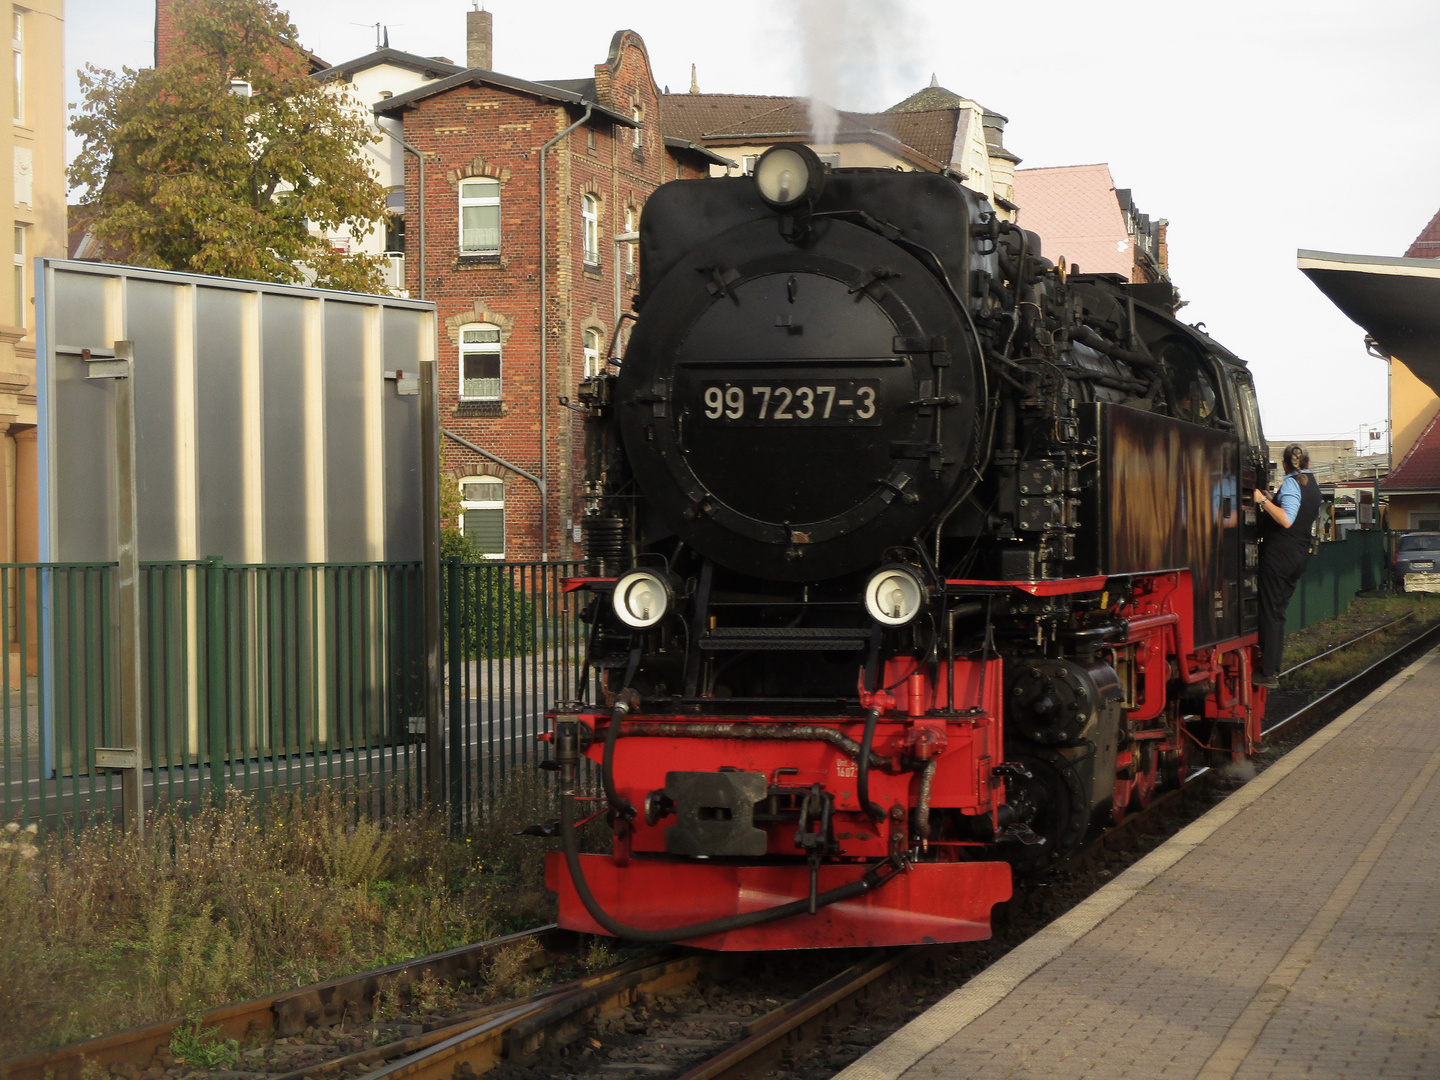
(528, 189)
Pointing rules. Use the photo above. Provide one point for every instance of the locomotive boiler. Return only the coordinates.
(912, 556)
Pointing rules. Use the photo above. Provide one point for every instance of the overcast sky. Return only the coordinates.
(1254, 127)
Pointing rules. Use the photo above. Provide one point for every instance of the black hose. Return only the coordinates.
(862, 775)
(570, 841)
(626, 700)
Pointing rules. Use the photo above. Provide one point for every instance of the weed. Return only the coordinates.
(386, 1006)
(203, 1048)
(598, 956)
(430, 995)
(250, 896)
(508, 975)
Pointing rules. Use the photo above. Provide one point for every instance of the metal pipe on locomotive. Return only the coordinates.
(911, 557)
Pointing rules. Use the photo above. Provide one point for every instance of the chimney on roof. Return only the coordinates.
(694, 82)
(479, 33)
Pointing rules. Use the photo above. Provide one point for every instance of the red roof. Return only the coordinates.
(1076, 213)
(1419, 469)
(1427, 244)
(737, 119)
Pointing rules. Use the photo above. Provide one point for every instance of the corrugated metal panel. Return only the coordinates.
(267, 429)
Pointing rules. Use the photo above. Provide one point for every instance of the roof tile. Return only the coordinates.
(1427, 244)
(1419, 469)
(1076, 213)
(729, 117)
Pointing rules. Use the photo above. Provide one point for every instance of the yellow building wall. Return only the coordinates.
(1412, 406)
(32, 182)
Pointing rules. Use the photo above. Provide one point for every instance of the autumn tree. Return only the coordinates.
(183, 173)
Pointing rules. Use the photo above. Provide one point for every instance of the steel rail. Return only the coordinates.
(286, 1013)
(799, 1025)
(520, 1033)
(1364, 683)
(364, 1060)
(1345, 644)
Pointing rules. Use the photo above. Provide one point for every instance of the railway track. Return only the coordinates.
(591, 1018)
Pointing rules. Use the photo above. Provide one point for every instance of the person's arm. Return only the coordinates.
(1274, 507)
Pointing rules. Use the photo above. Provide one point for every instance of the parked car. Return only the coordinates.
(1415, 553)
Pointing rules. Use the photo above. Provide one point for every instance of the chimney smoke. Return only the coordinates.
(479, 32)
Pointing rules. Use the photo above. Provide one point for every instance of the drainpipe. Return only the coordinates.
(544, 366)
(420, 159)
(620, 240)
(537, 481)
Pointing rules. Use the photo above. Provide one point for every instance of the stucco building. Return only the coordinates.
(33, 100)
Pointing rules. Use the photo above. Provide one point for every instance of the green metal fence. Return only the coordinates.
(253, 677)
(1336, 573)
(513, 644)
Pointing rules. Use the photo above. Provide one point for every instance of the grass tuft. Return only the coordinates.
(106, 931)
(203, 1048)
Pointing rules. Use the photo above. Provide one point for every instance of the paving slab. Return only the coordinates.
(1292, 931)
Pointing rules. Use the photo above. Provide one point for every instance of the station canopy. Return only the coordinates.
(1396, 301)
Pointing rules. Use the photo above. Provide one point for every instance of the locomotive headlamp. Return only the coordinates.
(894, 595)
(642, 598)
(788, 174)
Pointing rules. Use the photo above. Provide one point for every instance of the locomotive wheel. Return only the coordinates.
(1228, 742)
(1174, 765)
(1052, 803)
(1143, 788)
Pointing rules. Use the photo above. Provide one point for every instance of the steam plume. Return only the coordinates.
(856, 54)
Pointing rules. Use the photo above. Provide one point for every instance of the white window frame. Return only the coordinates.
(591, 347)
(638, 115)
(482, 348)
(590, 226)
(21, 241)
(497, 484)
(630, 244)
(17, 44)
(481, 200)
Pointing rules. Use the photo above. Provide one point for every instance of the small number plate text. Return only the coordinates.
(785, 402)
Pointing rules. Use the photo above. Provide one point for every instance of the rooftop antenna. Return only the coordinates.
(382, 34)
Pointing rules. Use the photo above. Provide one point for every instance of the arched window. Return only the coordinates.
(482, 517)
(590, 219)
(479, 216)
(593, 365)
(480, 362)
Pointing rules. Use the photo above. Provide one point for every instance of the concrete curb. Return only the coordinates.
(957, 1010)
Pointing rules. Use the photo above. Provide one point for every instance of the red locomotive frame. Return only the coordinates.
(946, 889)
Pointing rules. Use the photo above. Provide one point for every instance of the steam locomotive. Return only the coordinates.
(912, 557)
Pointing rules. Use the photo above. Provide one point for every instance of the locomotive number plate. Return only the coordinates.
(852, 402)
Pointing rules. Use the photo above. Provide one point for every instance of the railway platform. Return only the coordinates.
(1292, 931)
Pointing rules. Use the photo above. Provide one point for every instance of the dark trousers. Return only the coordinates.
(1280, 568)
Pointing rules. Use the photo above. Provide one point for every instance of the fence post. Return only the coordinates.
(127, 759)
(430, 572)
(215, 670)
(455, 656)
